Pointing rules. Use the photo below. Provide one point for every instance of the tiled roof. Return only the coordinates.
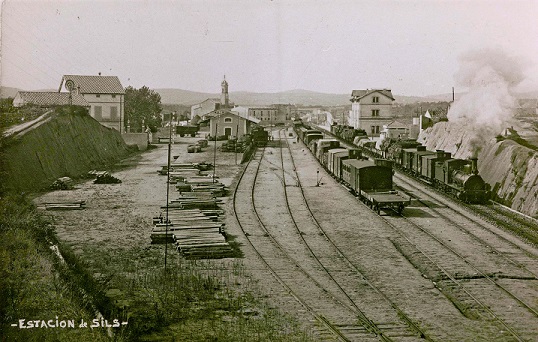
(42, 98)
(219, 112)
(95, 84)
(362, 93)
(397, 124)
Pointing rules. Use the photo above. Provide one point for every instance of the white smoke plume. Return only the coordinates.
(488, 106)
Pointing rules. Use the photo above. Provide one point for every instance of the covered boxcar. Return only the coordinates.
(310, 136)
(416, 164)
(428, 164)
(331, 160)
(322, 145)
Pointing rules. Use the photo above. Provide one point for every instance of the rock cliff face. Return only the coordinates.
(67, 142)
(510, 169)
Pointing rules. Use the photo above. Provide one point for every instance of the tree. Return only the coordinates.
(142, 107)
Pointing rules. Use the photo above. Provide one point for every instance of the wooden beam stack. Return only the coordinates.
(77, 205)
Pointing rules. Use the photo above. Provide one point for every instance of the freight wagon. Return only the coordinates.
(372, 182)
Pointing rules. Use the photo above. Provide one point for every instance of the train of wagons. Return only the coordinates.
(371, 181)
(456, 177)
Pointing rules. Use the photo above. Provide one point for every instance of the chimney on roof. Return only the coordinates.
(99, 73)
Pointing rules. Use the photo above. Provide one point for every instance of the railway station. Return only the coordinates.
(268, 171)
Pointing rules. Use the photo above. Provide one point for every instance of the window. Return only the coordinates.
(375, 112)
(98, 113)
(375, 99)
(97, 95)
(114, 113)
(113, 96)
(374, 129)
(227, 120)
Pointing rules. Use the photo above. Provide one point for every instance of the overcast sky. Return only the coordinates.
(411, 47)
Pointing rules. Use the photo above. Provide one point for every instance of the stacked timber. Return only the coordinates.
(194, 203)
(197, 234)
(77, 205)
(192, 219)
(203, 166)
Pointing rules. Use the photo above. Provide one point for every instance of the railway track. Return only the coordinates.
(509, 220)
(496, 240)
(298, 283)
(526, 228)
(500, 290)
(495, 267)
(314, 235)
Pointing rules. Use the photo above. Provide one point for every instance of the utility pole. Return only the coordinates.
(215, 152)
(167, 191)
(236, 141)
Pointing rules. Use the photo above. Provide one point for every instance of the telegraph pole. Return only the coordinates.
(167, 190)
(215, 152)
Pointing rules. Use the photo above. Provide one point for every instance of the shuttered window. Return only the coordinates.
(98, 113)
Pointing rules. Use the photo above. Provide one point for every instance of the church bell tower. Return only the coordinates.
(224, 99)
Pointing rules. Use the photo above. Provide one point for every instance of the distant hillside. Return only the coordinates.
(304, 97)
(245, 98)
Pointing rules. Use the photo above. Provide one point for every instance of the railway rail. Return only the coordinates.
(377, 296)
(463, 279)
(283, 268)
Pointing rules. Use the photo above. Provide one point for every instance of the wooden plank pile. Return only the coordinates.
(179, 167)
(193, 217)
(77, 205)
(197, 233)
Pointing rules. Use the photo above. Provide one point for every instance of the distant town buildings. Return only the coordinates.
(205, 107)
(104, 97)
(267, 115)
(394, 130)
(371, 109)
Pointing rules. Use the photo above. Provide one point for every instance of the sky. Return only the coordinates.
(412, 47)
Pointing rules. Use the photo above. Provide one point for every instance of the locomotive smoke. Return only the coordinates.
(488, 106)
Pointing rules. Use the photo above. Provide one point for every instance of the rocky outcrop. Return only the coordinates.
(510, 169)
(67, 142)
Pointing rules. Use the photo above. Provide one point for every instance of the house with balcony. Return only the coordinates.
(371, 109)
(104, 94)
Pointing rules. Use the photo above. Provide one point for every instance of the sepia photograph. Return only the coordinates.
(269, 170)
